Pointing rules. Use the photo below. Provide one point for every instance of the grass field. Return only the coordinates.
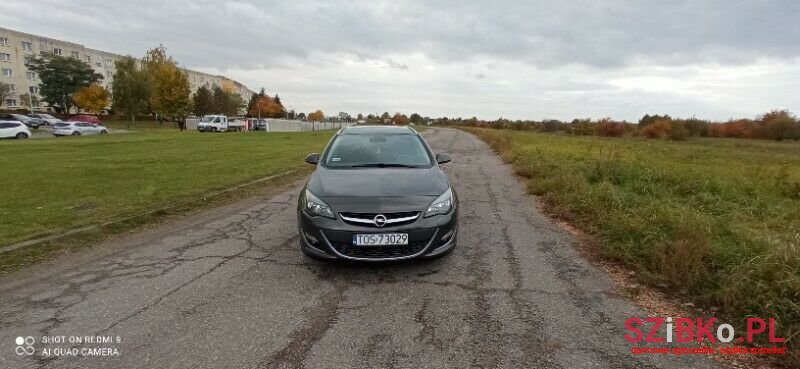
(54, 185)
(715, 220)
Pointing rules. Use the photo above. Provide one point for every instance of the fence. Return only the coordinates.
(285, 125)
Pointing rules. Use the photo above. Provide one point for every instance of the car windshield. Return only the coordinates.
(207, 119)
(377, 150)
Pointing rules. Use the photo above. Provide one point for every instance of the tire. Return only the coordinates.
(103, 132)
(21, 136)
(76, 133)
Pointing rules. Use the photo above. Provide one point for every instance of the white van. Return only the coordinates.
(218, 123)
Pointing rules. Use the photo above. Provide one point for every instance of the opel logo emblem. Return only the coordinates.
(379, 220)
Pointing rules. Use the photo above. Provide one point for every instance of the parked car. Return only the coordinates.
(85, 118)
(78, 128)
(34, 123)
(47, 118)
(10, 127)
(377, 194)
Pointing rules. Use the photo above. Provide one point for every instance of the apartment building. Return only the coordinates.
(16, 46)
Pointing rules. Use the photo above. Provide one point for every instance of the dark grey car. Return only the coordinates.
(377, 194)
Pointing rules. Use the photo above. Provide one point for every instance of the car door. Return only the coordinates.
(80, 128)
(87, 129)
(6, 129)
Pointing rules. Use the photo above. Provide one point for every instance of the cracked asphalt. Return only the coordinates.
(229, 288)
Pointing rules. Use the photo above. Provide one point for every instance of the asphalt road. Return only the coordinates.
(229, 288)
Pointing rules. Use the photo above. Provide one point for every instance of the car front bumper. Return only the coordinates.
(331, 239)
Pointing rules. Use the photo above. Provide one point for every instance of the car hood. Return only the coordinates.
(388, 189)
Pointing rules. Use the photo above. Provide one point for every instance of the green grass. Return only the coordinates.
(52, 185)
(716, 220)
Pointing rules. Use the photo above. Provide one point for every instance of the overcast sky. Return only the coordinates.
(516, 59)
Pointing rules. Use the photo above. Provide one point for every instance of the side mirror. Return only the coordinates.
(442, 158)
(312, 158)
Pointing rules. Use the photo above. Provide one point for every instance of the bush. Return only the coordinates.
(678, 131)
(583, 127)
(659, 129)
(608, 128)
(779, 125)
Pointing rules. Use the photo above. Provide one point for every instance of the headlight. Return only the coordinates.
(442, 205)
(314, 206)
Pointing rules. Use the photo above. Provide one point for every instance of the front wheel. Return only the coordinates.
(76, 133)
(21, 136)
(103, 132)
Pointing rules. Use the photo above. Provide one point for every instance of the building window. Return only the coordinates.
(76, 54)
(99, 65)
(5, 57)
(108, 63)
(34, 90)
(12, 103)
(3, 41)
(57, 51)
(88, 59)
(27, 46)
(12, 88)
(31, 75)
(8, 72)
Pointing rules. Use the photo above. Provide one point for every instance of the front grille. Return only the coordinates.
(379, 252)
(392, 219)
(342, 242)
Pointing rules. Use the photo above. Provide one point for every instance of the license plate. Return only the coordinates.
(380, 239)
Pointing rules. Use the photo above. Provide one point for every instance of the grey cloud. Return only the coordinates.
(542, 33)
(472, 48)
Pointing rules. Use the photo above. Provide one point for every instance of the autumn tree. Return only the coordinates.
(399, 119)
(416, 119)
(266, 106)
(316, 116)
(658, 129)
(648, 119)
(170, 90)
(93, 98)
(609, 128)
(252, 102)
(61, 77)
(202, 101)
(779, 125)
(131, 88)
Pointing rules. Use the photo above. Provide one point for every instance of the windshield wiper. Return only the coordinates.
(384, 165)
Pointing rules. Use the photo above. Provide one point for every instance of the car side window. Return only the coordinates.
(5, 125)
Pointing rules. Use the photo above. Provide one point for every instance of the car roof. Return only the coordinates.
(366, 130)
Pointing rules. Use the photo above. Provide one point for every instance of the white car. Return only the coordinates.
(12, 128)
(78, 128)
(49, 119)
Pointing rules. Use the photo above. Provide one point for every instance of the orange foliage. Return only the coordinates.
(609, 128)
(658, 129)
(316, 116)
